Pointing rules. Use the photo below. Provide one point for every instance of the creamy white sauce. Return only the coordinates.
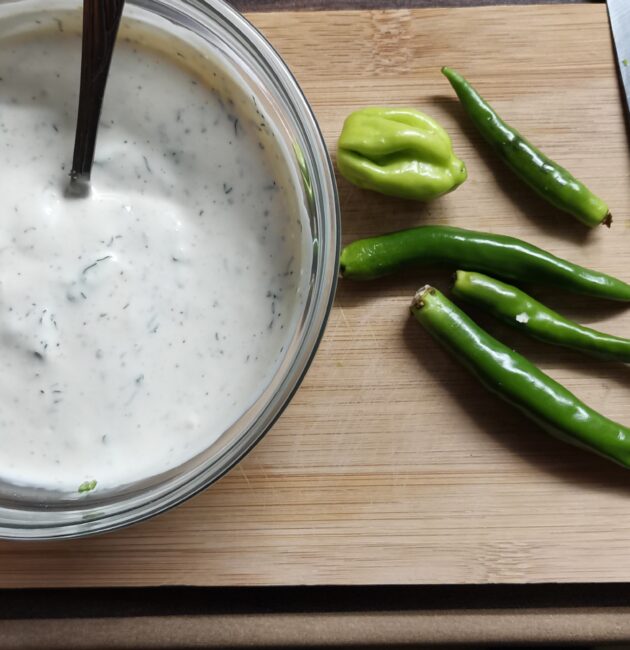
(138, 324)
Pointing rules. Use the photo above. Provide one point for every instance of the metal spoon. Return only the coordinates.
(101, 19)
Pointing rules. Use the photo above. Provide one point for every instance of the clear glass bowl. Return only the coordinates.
(216, 29)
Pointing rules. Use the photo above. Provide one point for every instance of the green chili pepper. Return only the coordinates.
(550, 180)
(506, 257)
(399, 152)
(519, 310)
(518, 381)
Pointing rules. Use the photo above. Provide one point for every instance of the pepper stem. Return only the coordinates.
(418, 299)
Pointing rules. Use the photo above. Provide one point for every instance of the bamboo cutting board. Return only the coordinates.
(392, 465)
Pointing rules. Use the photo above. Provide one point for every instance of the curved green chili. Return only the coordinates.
(543, 175)
(518, 381)
(506, 257)
(516, 308)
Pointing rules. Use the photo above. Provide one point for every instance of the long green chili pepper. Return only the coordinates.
(518, 381)
(523, 312)
(505, 257)
(550, 180)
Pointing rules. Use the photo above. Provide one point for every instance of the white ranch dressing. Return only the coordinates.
(138, 324)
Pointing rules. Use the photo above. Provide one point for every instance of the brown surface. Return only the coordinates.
(332, 617)
(391, 465)
(373, 630)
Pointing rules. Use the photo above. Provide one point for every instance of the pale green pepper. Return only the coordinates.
(399, 152)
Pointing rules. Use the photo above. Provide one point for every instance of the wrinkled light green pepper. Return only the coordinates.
(399, 152)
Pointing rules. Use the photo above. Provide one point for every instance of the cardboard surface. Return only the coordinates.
(428, 629)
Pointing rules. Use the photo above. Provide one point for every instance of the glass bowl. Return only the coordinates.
(222, 34)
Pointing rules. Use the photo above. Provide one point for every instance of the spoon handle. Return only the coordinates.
(101, 19)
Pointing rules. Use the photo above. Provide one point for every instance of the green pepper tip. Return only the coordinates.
(449, 73)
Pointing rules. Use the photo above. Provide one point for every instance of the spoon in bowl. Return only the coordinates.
(101, 19)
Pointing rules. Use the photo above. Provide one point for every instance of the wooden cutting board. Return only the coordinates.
(392, 465)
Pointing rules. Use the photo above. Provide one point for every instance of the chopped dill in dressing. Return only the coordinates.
(138, 324)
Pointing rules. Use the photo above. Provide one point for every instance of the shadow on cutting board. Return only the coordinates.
(366, 214)
(504, 423)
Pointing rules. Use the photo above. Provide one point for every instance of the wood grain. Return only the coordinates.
(391, 465)
(278, 5)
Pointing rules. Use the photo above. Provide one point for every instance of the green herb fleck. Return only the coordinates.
(91, 266)
(87, 486)
(625, 62)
